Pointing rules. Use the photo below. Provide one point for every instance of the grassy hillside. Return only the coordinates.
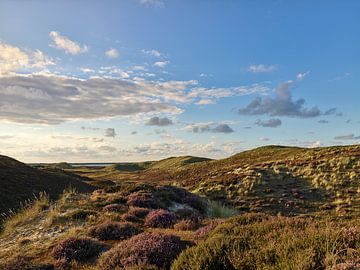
(20, 183)
(281, 179)
(269, 208)
(273, 179)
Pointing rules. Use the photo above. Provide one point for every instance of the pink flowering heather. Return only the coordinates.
(77, 248)
(113, 231)
(142, 199)
(156, 249)
(160, 219)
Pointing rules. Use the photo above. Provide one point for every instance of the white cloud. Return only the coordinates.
(112, 53)
(301, 76)
(154, 53)
(53, 99)
(13, 58)
(87, 70)
(161, 64)
(155, 3)
(63, 43)
(205, 102)
(261, 68)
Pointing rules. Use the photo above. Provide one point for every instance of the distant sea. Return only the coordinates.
(91, 164)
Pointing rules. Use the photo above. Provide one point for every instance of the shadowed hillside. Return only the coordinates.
(20, 183)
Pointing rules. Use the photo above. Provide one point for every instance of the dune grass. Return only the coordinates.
(29, 212)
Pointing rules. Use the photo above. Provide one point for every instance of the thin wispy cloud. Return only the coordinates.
(261, 68)
(61, 42)
(347, 137)
(154, 3)
(154, 53)
(161, 64)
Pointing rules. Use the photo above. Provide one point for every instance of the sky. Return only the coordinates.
(133, 80)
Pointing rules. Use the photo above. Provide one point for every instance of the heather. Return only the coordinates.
(147, 248)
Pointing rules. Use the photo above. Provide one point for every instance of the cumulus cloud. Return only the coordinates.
(208, 127)
(112, 53)
(282, 104)
(157, 121)
(347, 137)
(273, 122)
(13, 58)
(63, 43)
(261, 68)
(161, 64)
(110, 132)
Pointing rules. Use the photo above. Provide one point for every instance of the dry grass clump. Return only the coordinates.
(160, 219)
(146, 249)
(77, 249)
(219, 210)
(115, 207)
(187, 225)
(29, 213)
(113, 231)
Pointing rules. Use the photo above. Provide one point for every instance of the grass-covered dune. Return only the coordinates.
(20, 183)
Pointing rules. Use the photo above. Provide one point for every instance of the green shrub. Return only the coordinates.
(256, 241)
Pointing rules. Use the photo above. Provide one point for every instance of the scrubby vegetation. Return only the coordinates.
(113, 231)
(146, 249)
(77, 249)
(267, 242)
(160, 219)
(268, 208)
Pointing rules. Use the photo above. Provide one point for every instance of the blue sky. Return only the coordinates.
(85, 81)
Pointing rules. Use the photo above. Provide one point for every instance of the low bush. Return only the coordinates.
(187, 225)
(155, 249)
(265, 242)
(160, 219)
(76, 248)
(113, 231)
(142, 199)
(138, 212)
